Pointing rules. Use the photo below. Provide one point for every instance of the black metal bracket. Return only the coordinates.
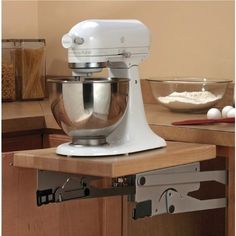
(142, 209)
(58, 187)
(45, 197)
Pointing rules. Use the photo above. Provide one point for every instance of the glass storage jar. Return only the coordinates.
(29, 56)
(8, 71)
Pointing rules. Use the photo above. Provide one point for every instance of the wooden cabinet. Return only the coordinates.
(22, 141)
(22, 217)
(20, 214)
(114, 213)
(111, 216)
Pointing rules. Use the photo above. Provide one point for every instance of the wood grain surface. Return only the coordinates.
(174, 154)
(230, 191)
(22, 141)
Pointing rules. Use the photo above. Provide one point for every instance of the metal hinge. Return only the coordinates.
(167, 190)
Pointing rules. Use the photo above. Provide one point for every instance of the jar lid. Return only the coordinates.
(23, 40)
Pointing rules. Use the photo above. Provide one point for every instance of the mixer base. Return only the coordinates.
(68, 149)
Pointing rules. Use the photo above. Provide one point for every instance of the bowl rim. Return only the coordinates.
(86, 80)
(189, 80)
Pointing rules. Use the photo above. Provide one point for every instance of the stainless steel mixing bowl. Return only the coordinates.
(88, 109)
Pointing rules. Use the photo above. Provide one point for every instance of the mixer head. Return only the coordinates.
(95, 44)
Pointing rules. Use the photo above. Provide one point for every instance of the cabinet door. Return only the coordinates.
(21, 141)
(21, 216)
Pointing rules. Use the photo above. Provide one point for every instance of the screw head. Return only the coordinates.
(86, 192)
(171, 209)
(142, 180)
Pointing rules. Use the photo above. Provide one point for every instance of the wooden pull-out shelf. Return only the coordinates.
(174, 154)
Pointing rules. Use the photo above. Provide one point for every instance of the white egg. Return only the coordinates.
(231, 113)
(214, 113)
(225, 111)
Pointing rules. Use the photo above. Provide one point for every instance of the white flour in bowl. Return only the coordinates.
(189, 100)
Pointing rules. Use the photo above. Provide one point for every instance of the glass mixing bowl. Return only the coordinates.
(188, 94)
(88, 109)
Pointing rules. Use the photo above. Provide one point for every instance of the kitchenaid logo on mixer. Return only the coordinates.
(80, 52)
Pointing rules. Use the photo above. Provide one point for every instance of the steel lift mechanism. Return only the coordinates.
(154, 192)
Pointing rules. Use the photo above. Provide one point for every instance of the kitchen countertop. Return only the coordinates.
(160, 119)
(22, 116)
(26, 116)
(33, 115)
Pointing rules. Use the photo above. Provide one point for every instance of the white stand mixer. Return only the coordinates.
(120, 45)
